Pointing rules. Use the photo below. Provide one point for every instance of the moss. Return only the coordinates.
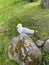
(18, 49)
(35, 60)
(11, 50)
(19, 45)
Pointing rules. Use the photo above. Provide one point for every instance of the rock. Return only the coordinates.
(24, 51)
(39, 43)
(47, 63)
(46, 46)
(45, 3)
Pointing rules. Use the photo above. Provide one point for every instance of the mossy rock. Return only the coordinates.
(24, 51)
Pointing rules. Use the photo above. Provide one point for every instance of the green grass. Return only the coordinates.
(31, 15)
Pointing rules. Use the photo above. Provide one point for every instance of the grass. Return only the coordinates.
(31, 15)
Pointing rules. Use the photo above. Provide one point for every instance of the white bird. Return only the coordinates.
(24, 30)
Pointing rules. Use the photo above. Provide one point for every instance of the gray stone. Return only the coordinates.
(24, 51)
(45, 3)
(39, 43)
(47, 63)
(46, 46)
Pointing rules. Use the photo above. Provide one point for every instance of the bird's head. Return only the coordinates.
(19, 25)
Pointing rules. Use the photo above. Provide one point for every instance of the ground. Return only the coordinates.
(31, 15)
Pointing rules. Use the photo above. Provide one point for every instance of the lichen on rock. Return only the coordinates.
(25, 52)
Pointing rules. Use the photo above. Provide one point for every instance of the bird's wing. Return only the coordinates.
(27, 31)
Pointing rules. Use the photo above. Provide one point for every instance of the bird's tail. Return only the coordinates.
(35, 32)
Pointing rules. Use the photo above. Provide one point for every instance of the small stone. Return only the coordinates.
(39, 43)
(46, 46)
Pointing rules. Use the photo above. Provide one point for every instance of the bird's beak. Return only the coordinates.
(16, 26)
